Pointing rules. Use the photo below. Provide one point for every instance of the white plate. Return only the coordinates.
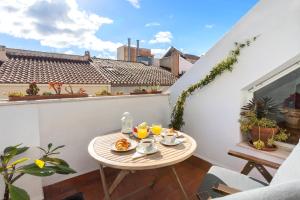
(176, 142)
(133, 145)
(164, 132)
(140, 149)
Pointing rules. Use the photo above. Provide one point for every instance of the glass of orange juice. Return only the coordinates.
(142, 133)
(156, 129)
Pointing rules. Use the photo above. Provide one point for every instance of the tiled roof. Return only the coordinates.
(27, 66)
(24, 66)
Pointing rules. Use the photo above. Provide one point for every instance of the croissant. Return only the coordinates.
(122, 145)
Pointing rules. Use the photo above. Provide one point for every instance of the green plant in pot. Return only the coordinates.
(12, 169)
(258, 120)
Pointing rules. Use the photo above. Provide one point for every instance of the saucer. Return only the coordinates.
(141, 150)
(176, 142)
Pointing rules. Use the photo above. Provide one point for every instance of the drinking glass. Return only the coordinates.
(156, 129)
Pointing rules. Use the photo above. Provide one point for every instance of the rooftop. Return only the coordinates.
(23, 66)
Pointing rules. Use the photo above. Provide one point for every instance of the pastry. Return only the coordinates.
(122, 144)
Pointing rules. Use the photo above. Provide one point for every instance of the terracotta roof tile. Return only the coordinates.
(24, 66)
(122, 73)
(27, 66)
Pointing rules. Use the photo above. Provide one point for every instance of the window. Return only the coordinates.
(285, 91)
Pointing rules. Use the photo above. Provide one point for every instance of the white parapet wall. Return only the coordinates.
(74, 123)
(212, 113)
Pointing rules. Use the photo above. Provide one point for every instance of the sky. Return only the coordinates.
(100, 26)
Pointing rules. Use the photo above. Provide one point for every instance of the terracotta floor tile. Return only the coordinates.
(191, 173)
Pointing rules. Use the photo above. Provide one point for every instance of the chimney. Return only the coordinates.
(87, 55)
(129, 49)
(137, 50)
(3, 56)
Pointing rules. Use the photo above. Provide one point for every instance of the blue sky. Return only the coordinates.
(100, 26)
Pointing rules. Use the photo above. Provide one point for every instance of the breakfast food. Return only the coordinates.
(143, 125)
(172, 131)
(122, 144)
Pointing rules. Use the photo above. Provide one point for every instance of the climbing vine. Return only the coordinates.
(225, 65)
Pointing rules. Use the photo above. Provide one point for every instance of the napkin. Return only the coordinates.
(137, 155)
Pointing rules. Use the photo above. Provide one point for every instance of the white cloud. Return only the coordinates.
(152, 24)
(162, 37)
(68, 52)
(135, 3)
(158, 52)
(106, 54)
(209, 26)
(54, 23)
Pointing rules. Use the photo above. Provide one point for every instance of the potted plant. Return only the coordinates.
(139, 91)
(291, 111)
(155, 90)
(258, 120)
(33, 89)
(103, 93)
(12, 170)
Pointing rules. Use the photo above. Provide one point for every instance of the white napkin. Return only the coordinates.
(137, 155)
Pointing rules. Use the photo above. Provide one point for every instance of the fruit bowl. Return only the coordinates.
(134, 132)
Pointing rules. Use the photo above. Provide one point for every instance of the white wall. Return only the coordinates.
(74, 123)
(211, 115)
(20, 125)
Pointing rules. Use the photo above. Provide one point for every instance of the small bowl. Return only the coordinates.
(134, 132)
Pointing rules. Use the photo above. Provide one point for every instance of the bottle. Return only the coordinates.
(127, 123)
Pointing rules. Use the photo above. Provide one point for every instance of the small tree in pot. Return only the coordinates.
(258, 120)
(12, 169)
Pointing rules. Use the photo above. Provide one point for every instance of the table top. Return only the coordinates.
(100, 149)
(278, 156)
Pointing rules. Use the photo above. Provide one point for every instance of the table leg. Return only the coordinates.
(118, 180)
(179, 183)
(104, 185)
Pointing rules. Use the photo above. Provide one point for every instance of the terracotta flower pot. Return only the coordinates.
(292, 117)
(265, 134)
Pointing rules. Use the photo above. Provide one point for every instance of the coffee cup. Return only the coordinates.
(170, 138)
(147, 144)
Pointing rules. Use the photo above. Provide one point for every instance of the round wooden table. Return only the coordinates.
(100, 149)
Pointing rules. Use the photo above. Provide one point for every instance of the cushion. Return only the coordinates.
(284, 191)
(290, 168)
(235, 179)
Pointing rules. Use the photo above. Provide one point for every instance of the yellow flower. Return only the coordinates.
(40, 163)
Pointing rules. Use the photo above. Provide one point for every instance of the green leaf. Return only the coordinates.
(62, 169)
(55, 161)
(34, 170)
(9, 149)
(45, 152)
(21, 150)
(1, 169)
(58, 147)
(19, 161)
(16, 193)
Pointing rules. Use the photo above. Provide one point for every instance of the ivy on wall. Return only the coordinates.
(225, 65)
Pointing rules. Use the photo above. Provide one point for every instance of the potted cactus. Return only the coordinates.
(258, 121)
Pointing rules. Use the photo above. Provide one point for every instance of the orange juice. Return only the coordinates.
(142, 133)
(156, 129)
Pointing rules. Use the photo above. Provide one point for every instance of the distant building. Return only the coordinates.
(19, 67)
(135, 54)
(176, 62)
